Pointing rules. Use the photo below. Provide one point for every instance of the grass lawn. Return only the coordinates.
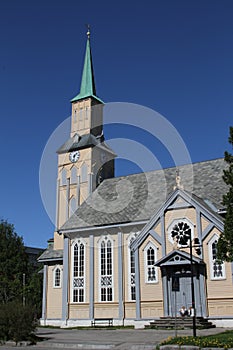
(221, 340)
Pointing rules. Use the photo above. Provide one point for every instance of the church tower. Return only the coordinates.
(84, 160)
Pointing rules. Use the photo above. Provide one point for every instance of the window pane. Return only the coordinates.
(76, 260)
(133, 293)
(57, 277)
(81, 261)
(75, 295)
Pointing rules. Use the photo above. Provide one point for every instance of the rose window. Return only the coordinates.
(181, 232)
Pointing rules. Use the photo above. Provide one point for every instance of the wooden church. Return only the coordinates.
(130, 262)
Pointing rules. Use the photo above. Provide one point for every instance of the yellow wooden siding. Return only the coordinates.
(110, 309)
(152, 309)
(79, 311)
(149, 291)
(130, 310)
(157, 228)
(220, 307)
(54, 297)
(204, 223)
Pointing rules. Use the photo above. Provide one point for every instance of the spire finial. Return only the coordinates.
(178, 180)
(88, 30)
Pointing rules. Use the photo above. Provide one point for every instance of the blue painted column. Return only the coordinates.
(44, 300)
(199, 231)
(137, 285)
(163, 232)
(65, 283)
(120, 277)
(91, 267)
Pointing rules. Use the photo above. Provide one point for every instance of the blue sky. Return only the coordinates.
(173, 56)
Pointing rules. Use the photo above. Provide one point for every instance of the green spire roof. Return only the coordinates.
(87, 88)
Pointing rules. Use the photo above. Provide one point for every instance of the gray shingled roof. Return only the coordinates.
(50, 254)
(78, 142)
(137, 197)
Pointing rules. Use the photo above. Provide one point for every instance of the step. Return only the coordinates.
(180, 322)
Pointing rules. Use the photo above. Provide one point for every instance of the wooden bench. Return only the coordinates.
(102, 321)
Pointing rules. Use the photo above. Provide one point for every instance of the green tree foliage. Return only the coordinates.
(225, 243)
(13, 263)
(19, 279)
(17, 322)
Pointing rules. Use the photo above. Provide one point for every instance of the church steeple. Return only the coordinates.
(87, 88)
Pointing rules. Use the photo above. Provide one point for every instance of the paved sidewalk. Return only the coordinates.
(104, 339)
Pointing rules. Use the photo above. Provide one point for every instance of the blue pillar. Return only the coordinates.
(65, 279)
(91, 267)
(120, 277)
(137, 285)
(44, 300)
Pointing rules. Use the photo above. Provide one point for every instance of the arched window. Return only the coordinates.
(72, 206)
(150, 259)
(78, 272)
(87, 109)
(83, 177)
(132, 288)
(217, 269)
(57, 277)
(63, 177)
(106, 270)
(75, 115)
(73, 175)
(81, 114)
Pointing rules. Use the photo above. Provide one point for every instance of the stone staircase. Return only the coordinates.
(180, 323)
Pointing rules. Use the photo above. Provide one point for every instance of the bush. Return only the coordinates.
(17, 322)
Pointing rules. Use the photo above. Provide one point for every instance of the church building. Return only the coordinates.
(131, 256)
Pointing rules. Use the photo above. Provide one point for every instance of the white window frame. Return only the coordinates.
(131, 275)
(105, 239)
(214, 238)
(82, 279)
(150, 245)
(57, 267)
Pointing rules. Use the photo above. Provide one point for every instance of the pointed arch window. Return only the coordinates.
(78, 258)
(57, 277)
(83, 177)
(73, 175)
(217, 268)
(87, 109)
(72, 206)
(131, 276)
(63, 177)
(150, 256)
(81, 114)
(75, 115)
(106, 270)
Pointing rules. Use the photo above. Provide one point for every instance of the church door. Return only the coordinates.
(178, 292)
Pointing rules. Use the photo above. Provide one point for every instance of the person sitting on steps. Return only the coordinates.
(183, 311)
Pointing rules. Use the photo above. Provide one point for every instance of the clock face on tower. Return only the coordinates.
(74, 156)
